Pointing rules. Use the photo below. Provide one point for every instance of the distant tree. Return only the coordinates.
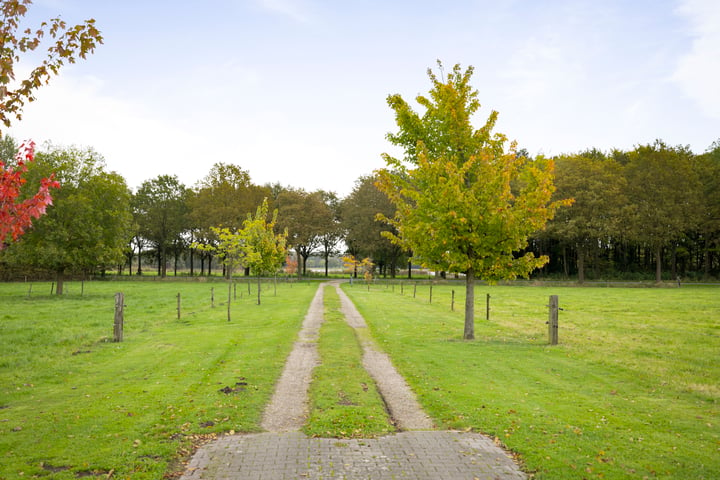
(333, 231)
(67, 45)
(225, 196)
(663, 192)
(255, 245)
(364, 230)
(463, 203)
(707, 167)
(222, 198)
(598, 186)
(306, 218)
(161, 214)
(353, 265)
(89, 225)
(263, 249)
(8, 150)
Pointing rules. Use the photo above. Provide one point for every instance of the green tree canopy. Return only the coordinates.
(364, 231)
(89, 224)
(597, 185)
(464, 203)
(160, 207)
(255, 245)
(664, 195)
(306, 217)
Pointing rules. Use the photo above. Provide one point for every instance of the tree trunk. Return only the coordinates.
(673, 262)
(469, 332)
(60, 282)
(658, 264)
(304, 269)
(258, 289)
(581, 263)
(192, 262)
(409, 269)
(131, 255)
(327, 261)
(139, 270)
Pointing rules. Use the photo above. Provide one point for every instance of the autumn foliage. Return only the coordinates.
(16, 215)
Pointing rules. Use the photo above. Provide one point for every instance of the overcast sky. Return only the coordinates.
(294, 91)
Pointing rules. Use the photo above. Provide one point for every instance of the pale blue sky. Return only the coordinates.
(294, 90)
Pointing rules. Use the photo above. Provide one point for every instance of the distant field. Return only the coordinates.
(632, 391)
(72, 403)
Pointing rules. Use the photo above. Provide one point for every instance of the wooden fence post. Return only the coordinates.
(431, 292)
(178, 306)
(452, 302)
(553, 320)
(119, 317)
(212, 297)
(414, 289)
(229, 298)
(487, 307)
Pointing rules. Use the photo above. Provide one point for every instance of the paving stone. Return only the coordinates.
(417, 455)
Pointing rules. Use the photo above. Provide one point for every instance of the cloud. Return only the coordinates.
(133, 140)
(294, 9)
(697, 71)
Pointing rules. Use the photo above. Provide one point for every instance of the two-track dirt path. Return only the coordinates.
(283, 453)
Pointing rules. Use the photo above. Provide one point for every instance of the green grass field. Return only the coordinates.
(632, 391)
(73, 403)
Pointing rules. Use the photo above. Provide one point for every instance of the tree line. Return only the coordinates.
(650, 211)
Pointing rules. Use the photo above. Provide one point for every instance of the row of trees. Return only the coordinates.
(649, 210)
(653, 209)
(459, 200)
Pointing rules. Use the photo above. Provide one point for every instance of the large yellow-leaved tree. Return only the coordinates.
(465, 203)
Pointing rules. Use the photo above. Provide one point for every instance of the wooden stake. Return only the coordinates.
(229, 298)
(553, 320)
(119, 317)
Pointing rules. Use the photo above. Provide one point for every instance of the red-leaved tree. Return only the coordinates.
(16, 215)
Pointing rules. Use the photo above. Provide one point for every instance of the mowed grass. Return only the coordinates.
(74, 404)
(632, 391)
(344, 401)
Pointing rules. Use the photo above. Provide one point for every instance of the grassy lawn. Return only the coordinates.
(344, 402)
(632, 391)
(74, 404)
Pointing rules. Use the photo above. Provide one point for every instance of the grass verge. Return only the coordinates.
(630, 392)
(73, 404)
(343, 398)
